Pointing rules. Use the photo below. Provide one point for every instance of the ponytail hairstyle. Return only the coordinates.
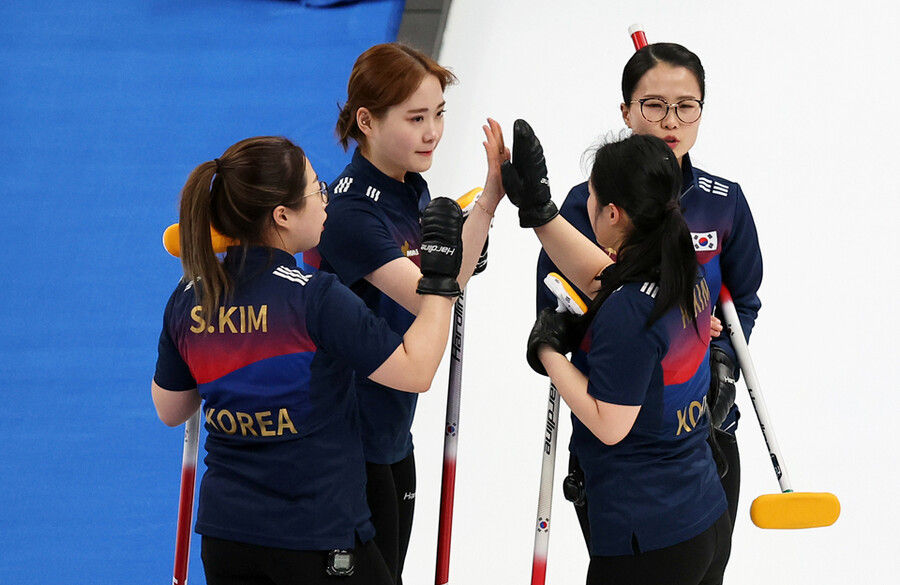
(383, 76)
(650, 56)
(641, 175)
(236, 194)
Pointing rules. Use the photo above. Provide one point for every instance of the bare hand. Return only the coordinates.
(497, 153)
(715, 326)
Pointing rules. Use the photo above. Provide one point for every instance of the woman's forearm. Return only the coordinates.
(412, 366)
(608, 422)
(474, 234)
(578, 257)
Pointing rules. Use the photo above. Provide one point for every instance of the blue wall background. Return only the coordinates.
(105, 107)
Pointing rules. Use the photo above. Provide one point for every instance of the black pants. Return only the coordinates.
(698, 561)
(391, 491)
(234, 563)
(732, 480)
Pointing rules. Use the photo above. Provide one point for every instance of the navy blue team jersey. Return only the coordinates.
(372, 220)
(724, 237)
(274, 366)
(658, 486)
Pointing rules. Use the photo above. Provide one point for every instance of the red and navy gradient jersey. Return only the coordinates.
(724, 236)
(659, 485)
(274, 366)
(372, 220)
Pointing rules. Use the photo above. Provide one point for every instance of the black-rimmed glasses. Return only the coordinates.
(656, 109)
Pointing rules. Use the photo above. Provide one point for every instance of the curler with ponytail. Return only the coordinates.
(658, 248)
(235, 194)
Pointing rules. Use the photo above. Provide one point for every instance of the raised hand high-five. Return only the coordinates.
(525, 178)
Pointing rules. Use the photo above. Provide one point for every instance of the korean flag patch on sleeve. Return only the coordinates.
(705, 241)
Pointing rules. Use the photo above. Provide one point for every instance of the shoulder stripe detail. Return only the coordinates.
(373, 193)
(343, 185)
(650, 289)
(294, 275)
(711, 186)
(720, 189)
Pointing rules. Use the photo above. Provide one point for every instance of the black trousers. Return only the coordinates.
(731, 482)
(235, 563)
(391, 491)
(698, 561)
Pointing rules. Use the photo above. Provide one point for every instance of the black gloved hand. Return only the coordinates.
(563, 332)
(716, 439)
(722, 391)
(441, 251)
(525, 178)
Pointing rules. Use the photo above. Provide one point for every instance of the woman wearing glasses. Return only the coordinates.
(663, 90)
(270, 350)
(395, 114)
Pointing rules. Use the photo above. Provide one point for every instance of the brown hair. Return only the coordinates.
(235, 194)
(383, 76)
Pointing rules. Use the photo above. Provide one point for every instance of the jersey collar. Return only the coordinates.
(370, 174)
(257, 256)
(687, 173)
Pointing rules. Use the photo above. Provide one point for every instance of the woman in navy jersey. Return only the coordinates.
(271, 351)
(663, 92)
(395, 114)
(638, 379)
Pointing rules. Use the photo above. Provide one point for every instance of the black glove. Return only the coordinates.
(563, 332)
(722, 392)
(525, 178)
(441, 251)
(715, 439)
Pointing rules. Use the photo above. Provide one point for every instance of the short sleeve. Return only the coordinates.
(341, 324)
(624, 352)
(172, 373)
(356, 240)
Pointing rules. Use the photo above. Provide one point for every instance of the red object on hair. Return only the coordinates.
(637, 36)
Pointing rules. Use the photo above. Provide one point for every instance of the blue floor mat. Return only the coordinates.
(105, 107)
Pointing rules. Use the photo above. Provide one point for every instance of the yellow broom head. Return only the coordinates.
(172, 240)
(792, 510)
